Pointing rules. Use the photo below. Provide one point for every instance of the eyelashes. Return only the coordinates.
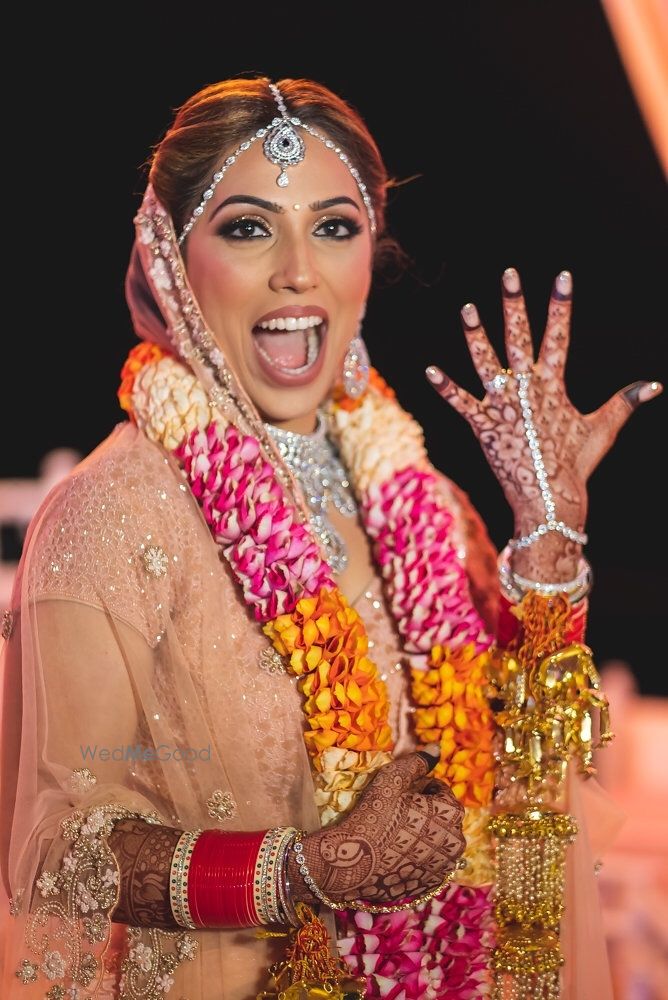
(248, 223)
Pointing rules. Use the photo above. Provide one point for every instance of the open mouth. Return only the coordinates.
(290, 345)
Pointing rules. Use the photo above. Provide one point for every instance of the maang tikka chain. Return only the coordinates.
(285, 147)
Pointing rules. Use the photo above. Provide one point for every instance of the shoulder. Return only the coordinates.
(116, 532)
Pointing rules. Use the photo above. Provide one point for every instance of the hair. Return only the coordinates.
(219, 117)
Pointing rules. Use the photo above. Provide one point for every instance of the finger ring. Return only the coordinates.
(500, 380)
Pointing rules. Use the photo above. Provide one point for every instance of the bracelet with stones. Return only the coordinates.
(178, 878)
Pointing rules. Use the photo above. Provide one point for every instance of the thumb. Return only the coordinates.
(619, 407)
(431, 753)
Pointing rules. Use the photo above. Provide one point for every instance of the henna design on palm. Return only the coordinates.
(572, 443)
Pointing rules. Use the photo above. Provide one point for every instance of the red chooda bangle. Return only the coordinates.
(220, 879)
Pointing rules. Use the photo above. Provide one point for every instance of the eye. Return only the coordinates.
(351, 228)
(245, 225)
(249, 228)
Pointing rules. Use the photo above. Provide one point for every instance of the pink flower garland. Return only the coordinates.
(426, 581)
(440, 950)
(273, 556)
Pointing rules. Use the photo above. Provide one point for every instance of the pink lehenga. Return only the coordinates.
(136, 682)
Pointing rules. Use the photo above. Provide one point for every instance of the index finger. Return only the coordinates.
(459, 399)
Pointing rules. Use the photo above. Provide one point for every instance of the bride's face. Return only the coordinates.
(304, 250)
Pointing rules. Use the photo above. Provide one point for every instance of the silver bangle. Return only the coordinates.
(266, 884)
(284, 891)
(515, 586)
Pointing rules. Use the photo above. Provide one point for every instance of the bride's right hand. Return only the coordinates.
(399, 839)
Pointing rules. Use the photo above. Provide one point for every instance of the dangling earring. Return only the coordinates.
(356, 365)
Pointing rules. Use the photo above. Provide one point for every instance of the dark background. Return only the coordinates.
(530, 150)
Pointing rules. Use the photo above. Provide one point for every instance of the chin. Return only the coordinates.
(283, 404)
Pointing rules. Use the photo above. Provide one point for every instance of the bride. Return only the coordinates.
(259, 654)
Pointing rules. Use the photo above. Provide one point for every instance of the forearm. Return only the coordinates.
(170, 878)
(144, 852)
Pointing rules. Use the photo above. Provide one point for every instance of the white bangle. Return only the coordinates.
(515, 586)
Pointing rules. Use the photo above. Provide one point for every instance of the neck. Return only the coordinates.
(303, 424)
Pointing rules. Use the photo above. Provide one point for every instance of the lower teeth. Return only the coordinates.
(312, 348)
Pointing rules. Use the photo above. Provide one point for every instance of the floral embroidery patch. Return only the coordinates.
(156, 561)
(221, 805)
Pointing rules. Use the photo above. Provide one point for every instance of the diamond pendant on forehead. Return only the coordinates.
(284, 147)
(314, 462)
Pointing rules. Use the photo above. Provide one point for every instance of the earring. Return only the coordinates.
(356, 365)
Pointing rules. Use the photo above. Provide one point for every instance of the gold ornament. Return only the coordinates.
(550, 694)
(309, 971)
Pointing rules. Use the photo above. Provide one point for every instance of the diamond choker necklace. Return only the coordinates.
(314, 461)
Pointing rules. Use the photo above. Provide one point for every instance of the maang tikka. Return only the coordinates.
(285, 147)
(355, 375)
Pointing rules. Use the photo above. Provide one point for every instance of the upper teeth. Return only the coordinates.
(291, 323)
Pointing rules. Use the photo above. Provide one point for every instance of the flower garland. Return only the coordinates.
(293, 595)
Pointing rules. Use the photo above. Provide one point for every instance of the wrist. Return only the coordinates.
(551, 558)
(299, 890)
(221, 879)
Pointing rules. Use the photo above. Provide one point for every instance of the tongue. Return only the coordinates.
(286, 348)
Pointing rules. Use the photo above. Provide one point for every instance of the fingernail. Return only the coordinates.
(647, 391)
(470, 316)
(511, 281)
(435, 375)
(431, 753)
(563, 286)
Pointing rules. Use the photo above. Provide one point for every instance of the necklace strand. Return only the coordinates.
(315, 463)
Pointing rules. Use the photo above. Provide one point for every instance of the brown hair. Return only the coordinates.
(222, 115)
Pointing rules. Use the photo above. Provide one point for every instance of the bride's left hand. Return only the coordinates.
(572, 443)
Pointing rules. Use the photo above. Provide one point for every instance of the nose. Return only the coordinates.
(294, 265)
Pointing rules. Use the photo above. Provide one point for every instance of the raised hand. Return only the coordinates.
(568, 443)
(399, 840)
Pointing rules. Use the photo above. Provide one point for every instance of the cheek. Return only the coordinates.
(223, 290)
(353, 284)
(220, 285)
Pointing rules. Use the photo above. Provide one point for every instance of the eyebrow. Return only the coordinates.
(272, 206)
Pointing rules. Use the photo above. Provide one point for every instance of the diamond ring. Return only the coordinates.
(500, 380)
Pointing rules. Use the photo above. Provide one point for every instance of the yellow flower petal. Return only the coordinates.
(324, 699)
